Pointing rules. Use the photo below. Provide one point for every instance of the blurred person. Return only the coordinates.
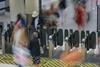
(97, 49)
(80, 15)
(7, 33)
(54, 8)
(52, 21)
(1, 28)
(18, 24)
(52, 12)
(20, 21)
(62, 4)
(16, 28)
(11, 29)
(77, 55)
(12, 25)
(21, 53)
(34, 48)
(52, 15)
(51, 26)
(33, 24)
(34, 19)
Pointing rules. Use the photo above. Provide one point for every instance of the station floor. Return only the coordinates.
(45, 62)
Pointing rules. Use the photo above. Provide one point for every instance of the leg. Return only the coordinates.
(36, 61)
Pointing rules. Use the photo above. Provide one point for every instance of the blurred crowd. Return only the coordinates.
(26, 39)
(26, 36)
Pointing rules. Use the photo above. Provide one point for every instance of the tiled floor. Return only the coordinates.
(7, 65)
(45, 62)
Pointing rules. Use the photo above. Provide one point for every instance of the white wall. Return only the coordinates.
(31, 5)
(16, 7)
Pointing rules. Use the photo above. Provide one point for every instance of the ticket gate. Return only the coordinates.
(70, 40)
(76, 39)
(92, 40)
(87, 42)
(1, 30)
(66, 33)
(60, 37)
(82, 35)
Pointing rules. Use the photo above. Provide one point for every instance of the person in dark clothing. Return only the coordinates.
(70, 40)
(1, 28)
(11, 30)
(5, 35)
(8, 33)
(62, 4)
(33, 22)
(34, 48)
(32, 28)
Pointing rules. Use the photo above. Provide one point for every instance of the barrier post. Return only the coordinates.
(51, 47)
(84, 49)
(3, 44)
(67, 48)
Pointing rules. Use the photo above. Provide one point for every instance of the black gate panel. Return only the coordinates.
(55, 37)
(66, 33)
(76, 39)
(82, 35)
(87, 42)
(93, 40)
(60, 37)
(98, 33)
(70, 40)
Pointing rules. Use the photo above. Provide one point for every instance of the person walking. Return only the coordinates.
(20, 49)
(34, 48)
